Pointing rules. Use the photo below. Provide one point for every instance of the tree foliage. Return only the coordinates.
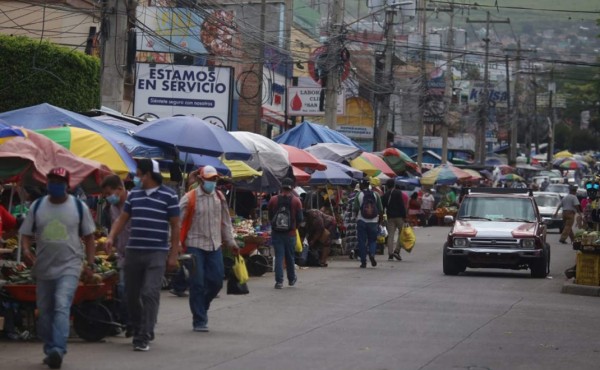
(34, 72)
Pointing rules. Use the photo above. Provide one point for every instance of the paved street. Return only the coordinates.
(399, 315)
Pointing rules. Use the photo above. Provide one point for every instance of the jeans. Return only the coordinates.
(144, 271)
(285, 247)
(123, 316)
(205, 283)
(54, 299)
(367, 237)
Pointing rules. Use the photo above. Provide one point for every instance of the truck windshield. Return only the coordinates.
(500, 208)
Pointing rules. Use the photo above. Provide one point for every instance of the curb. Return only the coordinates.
(569, 287)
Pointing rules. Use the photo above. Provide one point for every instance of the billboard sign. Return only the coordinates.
(306, 101)
(496, 92)
(166, 90)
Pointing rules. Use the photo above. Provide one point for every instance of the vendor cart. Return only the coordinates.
(257, 253)
(91, 307)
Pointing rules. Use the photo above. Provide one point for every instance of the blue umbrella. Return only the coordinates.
(408, 180)
(333, 175)
(193, 135)
(350, 171)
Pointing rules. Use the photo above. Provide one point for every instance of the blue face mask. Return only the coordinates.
(57, 190)
(137, 181)
(209, 186)
(113, 199)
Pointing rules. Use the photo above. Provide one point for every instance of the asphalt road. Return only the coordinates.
(399, 315)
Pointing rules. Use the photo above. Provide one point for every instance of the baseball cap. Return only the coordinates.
(59, 172)
(208, 172)
(287, 183)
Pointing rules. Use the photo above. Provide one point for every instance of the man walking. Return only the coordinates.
(57, 221)
(206, 225)
(115, 193)
(285, 213)
(395, 210)
(570, 206)
(368, 215)
(153, 209)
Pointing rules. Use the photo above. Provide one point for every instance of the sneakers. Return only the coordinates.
(141, 347)
(390, 257)
(201, 328)
(293, 282)
(373, 262)
(397, 255)
(363, 265)
(53, 360)
(278, 285)
(352, 254)
(178, 293)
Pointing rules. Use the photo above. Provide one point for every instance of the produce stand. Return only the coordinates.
(587, 268)
(442, 212)
(92, 318)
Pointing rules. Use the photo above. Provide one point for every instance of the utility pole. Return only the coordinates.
(512, 156)
(114, 36)
(333, 60)
(261, 63)
(388, 81)
(551, 121)
(423, 24)
(448, 86)
(485, 102)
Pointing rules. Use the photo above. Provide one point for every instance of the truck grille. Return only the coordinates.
(494, 242)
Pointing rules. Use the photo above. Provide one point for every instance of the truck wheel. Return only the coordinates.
(451, 266)
(540, 268)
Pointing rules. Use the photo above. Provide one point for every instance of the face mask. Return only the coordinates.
(137, 181)
(57, 190)
(209, 186)
(113, 199)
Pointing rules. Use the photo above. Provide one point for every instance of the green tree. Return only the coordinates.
(34, 72)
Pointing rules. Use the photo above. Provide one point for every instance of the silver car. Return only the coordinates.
(548, 203)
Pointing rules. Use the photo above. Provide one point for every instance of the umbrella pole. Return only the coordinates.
(10, 202)
(184, 177)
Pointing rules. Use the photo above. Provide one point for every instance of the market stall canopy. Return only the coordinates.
(301, 177)
(572, 164)
(240, 170)
(91, 145)
(377, 162)
(352, 172)
(399, 161)
(29, 158)
(474, 174)
(563, 154)
(512, 177)
(195, 161)
(334, 152)
(193, 135)
(303, 159)
(308, 134)
(445, 174)
(46, 115)
(333, 175)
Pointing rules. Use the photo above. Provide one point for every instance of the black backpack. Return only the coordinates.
(368, 208)
(282, 221)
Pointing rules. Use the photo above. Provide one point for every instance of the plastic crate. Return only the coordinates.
(588, 269)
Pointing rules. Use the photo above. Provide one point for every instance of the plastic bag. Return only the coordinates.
(383, 231)
(239, 269)
(234, 287)
(298, 242)
(407, 238)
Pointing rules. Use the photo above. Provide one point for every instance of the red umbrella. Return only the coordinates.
(302, 177)
(303, 159)
(379, 163)
(506, 169)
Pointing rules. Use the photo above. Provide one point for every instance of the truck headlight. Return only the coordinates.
(528, 243)
(460, 242)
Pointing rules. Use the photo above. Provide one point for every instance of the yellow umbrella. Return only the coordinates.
(240, 170)
(362, 164)
(563, 154)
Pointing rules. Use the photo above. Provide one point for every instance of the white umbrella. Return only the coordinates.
(334, 152)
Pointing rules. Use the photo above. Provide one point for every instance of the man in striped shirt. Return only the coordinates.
(153, 209)
(210, 227)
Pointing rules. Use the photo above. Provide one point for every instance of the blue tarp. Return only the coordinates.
(307, 134)
(45, 115)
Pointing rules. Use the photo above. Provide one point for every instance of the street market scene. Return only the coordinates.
(266, 185)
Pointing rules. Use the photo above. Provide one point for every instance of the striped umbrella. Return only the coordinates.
(7, 133)
(399, 161)
(92, 145)
(372, 165)
(512, 177)
(444, 175)
(572, 164)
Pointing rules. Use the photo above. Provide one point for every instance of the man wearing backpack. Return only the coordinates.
(57, 221)
(205, 226)
(368, 215)
(285, 213)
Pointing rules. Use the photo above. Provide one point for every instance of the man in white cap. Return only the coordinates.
(206, 226)
(154, 213)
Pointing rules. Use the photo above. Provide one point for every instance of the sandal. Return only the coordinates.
(323, 265)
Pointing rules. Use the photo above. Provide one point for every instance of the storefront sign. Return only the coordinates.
(166, 90)
(305, 101)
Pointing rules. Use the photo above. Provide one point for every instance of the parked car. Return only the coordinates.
(548, 204)
(497, 228)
